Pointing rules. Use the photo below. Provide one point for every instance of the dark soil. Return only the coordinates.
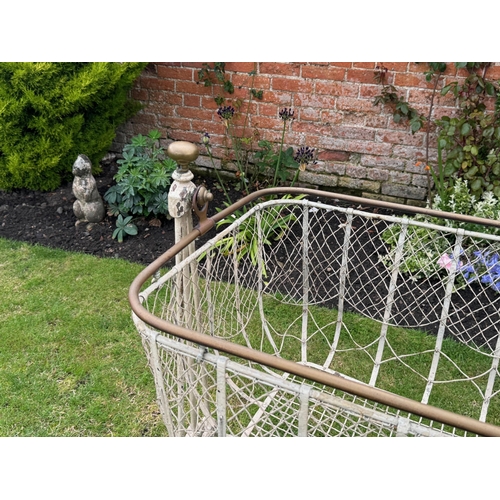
(48, 219)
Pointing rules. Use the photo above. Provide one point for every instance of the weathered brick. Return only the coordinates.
(366, 65)
(192, 100)
(359, 184)
(493, 72)
(394, 137)
(323, 73)
(420, 180)
(381, 197)
(329, 155)
(152, 82)
(310, 114)
(247, 82)
(396, 66)
(403, 191)
(363, 133)
(413, 80)
(312, 129)
(376, 121)
(331, 117)
(282, 99)
(383, 162)
(341, 64)
(370, 91)
(240, 67)
(408, 152)
(351, 104)
(400, 177)
(175, 73)
(318, 179)
(207, 102)
(354, 146)
(192, 88)
(274, 68)
(337, 88)
(353, 119)
(267, 109)
(355, 171)
(360, 75)
(291, 84)
(196, 113)
(306, 100)
(139, 94)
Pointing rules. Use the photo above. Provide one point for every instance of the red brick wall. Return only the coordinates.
(360, 148)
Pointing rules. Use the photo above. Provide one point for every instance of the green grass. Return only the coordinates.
(71, 361)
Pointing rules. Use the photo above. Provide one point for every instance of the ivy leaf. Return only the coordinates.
(445, 89)
(475, 184)
(488, 132)
(466, 128)
(490, 89)
(415, 125)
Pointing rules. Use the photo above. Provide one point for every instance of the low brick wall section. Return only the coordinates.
(360, 149)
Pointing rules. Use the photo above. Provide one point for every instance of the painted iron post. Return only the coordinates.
(180, 199)
(182, 188)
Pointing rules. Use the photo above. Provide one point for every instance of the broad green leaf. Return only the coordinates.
(465, 129)
(475, 184)
(490, 89)
(488, 132)
(445, 90)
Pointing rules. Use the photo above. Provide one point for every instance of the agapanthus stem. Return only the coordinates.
(279, 154)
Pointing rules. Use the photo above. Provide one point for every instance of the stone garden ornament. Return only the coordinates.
(88, 206)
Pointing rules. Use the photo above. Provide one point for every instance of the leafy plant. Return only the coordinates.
(425, 251)
(402, 109)
(124, 226)
(143, 178)
(460, 200)
(471, 140)
(273, 226)
(52, 112)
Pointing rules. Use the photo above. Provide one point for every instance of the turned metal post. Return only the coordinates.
(182, 188)
(187, 304)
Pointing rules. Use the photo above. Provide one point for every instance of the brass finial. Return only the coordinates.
(183, 153)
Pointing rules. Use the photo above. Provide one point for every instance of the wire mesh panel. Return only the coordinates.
(402, 304)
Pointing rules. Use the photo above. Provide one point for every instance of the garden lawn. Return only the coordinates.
(71, 361)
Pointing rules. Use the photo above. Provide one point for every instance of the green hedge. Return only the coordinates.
(52, 112)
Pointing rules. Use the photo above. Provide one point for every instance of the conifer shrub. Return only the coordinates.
(52, 112)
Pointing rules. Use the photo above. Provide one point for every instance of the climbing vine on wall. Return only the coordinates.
(469, 140)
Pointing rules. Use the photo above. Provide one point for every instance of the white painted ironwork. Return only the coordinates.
(330, 264)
